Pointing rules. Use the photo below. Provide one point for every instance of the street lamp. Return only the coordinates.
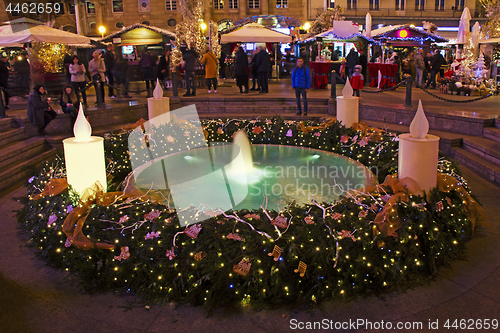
(307, 26)
(102, 30)
(203, 26)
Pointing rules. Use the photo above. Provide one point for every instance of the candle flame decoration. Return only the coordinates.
(82, 129)
(158, 91)
(347, 91)
(419, 127)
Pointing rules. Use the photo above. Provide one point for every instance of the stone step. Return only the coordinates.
(480, 166)
(492, 133)
(20, 150)
(10, 135)
(22, 169)
(6, 123)
(484, 148)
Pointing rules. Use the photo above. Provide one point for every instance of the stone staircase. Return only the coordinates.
(19, 154)
(482, 153)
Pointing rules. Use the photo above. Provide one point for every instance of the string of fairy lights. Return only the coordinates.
(261, 257)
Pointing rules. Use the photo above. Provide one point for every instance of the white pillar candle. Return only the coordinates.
(418, 153)
(347, 106)
(158, 105)
(84, 157)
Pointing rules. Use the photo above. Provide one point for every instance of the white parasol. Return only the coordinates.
(464, 27)
(368, 23)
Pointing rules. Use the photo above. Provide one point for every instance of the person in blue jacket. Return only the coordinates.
(301, 82)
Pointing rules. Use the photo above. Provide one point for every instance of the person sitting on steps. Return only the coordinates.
(39, 111)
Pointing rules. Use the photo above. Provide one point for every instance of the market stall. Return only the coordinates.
(256, 33)
(324, 42)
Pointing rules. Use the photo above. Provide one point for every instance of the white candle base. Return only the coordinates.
(85, 163)
(418, 159)
(158, 107)
(348, 110)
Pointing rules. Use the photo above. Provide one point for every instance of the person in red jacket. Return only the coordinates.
(357, 80)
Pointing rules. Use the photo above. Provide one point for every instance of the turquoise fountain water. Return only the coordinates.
(275, 174)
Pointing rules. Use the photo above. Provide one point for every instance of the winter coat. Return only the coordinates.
(263, 62)
(75, 75)
(241, 64)
(419, 61)
(97, 67)
(357, 81)
(189, 56)
(22, 67)
(163, 64)
(109, 60)
(37, 105)
(352, 59)
(210, 61)
(301, 77)
(4, 74)
(437, 61)
(253, 65)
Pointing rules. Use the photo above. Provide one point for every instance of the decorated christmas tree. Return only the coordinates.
(190, 30)
(324, 20)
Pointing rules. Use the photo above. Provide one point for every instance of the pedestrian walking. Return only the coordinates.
(301, 82)
(189, 55)
(253, 69)
(148, 71)
(263, 63)
(437, 61)
(241, 69)
(39, 111)
(4, 81)
(351, 61)
(210, 62)
(122, 75)
(97, 68)
(22, 67)
(163, 68)
(357, 80)
(78, 79)
(419, 67)
(109, 61)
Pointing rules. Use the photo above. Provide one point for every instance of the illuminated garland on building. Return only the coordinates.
(328, 250)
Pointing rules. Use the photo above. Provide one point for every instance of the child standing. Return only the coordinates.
(357, 80)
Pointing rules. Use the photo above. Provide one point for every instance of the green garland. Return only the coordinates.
(357, 264)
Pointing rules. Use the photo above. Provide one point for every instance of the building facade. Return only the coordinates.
(115, 14)
(443, 13)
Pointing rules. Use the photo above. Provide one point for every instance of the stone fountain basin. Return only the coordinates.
(279, 175)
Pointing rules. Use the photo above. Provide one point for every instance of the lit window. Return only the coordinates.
(420, 5)
(253, 3)
(170, 4)
(459, 5)
(218, 4)
(330, 4)
(90, 7)
(281, 3)
(439, 5)
(375, 5)
(117, 6)
(233, 4)
(400, 4)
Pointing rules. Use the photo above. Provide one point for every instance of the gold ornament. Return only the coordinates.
(276, 253)
(243, 267)
(280, 221)
(199, 256)
(301, 269)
